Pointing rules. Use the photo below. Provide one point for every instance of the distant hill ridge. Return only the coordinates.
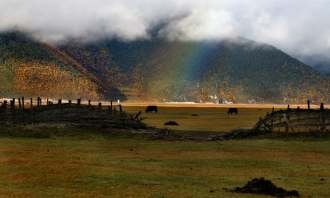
(238, 71)
(160, 70)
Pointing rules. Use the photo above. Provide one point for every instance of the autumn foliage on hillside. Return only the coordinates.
(30, 68)
(32, 79)
(48, 80)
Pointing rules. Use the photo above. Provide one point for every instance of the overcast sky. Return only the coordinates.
(299, 27)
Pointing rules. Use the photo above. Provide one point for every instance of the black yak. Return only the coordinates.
(232, 111)
(152, 109)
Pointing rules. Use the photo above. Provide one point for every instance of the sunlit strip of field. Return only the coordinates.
(168, 104)
(213, 105)
(201, 118)
(194, 116)
(206, 116)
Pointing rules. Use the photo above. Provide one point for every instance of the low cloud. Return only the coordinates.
(299, 27)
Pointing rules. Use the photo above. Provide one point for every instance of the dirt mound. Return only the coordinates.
(171, 123)
(262, 186)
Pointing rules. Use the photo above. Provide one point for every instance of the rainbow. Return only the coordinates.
(180, 64)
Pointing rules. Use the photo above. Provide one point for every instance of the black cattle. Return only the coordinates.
(232, 111)
(152, 109)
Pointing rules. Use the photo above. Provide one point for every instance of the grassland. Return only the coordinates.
(208, 119)
(211, 117)
(117, 166)
(63, 162)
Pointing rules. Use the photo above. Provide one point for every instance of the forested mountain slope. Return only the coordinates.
(157, 70)
(237, 71)
(30, 68)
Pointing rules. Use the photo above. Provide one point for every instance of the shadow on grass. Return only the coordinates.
(44, 131)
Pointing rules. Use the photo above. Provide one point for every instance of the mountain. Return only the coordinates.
(157, 69)
(323, 67)
(29, 68)
(233, 70)
(320, 63)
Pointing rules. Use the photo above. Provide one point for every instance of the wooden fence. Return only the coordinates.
(24, 104)
(79, 113)
(295, 120)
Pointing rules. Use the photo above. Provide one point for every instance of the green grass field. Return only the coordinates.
(117, 166)
(208, 119)
(63, 162)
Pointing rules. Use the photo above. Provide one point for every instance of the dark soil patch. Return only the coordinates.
(171, 123)
(262, 186)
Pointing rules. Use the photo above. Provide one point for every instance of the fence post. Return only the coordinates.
(323, 121)
(111, 105)
(79, 101)
(38, 102)
(4, 104)
(23, 103)
(12, 104)
(309, 104)
(31, 103)
(19, 103)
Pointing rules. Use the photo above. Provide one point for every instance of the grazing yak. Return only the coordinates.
(232, 111)
(152, 109)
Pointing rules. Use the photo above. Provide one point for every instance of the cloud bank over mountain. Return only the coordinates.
(300, 27)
